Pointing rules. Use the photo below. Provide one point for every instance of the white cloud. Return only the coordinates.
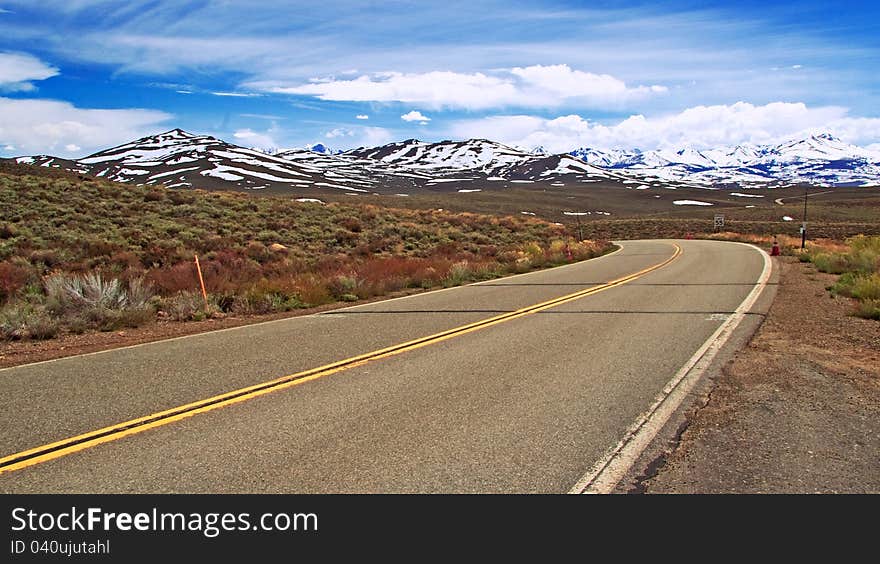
(18, 69)
(347, 138)
(362, 116)
(374, 136)
(563, 82)
(72, 148)
(235, 94)
(434, 89)
(700, 127)
(415, 116)
(339, 132)
(49, 126)
(252, 138)
(533, 86)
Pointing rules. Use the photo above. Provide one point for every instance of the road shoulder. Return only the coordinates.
(797, 410)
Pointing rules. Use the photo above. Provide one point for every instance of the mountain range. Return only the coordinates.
(822, 160)
(178, 159)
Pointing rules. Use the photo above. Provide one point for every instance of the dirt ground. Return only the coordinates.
(797, 411)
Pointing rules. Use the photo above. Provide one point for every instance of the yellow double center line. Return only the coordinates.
(70, 445)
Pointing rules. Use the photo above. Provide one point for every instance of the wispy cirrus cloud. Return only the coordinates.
(700, 127)
(715, 54)
(461, 63)
(235, 94)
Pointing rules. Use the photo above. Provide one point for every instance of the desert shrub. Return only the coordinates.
(8, 231)
(47, 258)
(154, 196)
(459, 273)
(859, 286)
(867, 287)
(13, 277)
(66, 292)
(185, 306)
(91, 301)
(312, 289)
(170, 280)
(859, 266)
(832, 263)
(178, 197)
(26, 321)
(868, 309)
(345, 238)
(342, 284)
(351, 223)
(258, 301)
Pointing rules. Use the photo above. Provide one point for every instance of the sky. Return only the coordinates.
(78, 76)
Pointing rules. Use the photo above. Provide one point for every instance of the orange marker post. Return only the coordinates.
(202, 282)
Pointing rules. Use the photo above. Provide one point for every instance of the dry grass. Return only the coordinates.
(89, 255)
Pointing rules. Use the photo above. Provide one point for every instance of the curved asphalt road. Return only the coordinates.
(525, 405)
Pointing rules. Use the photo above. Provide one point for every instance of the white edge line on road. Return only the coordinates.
(605, 474)
(260, 323)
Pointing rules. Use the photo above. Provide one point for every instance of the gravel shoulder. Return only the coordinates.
(796, 411)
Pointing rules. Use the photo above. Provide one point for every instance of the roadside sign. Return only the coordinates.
(719, 221)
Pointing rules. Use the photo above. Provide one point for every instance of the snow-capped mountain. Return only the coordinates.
(323, 149)
(53, 162)
(818, 159)
(179, 159)
(477, 159)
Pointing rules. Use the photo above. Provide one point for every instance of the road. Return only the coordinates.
(780, 201)
(513, 385)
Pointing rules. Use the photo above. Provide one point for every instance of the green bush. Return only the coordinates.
(859, 270)
(866, 287)
(868, 309)
(459, 273)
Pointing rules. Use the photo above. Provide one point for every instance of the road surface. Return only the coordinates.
(522, 384)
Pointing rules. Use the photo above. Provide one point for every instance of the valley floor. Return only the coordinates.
(797, 411)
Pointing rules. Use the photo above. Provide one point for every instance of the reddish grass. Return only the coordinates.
(13, 277)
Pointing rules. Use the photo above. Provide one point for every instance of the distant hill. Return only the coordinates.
(178, 159)
(822, 160)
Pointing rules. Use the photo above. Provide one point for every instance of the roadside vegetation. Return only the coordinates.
(856, 260)
(79, 254)
(858, 264)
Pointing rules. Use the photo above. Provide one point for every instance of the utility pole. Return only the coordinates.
(580, 230)
(804, 224)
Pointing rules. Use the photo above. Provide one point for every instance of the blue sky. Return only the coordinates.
(81, 75)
